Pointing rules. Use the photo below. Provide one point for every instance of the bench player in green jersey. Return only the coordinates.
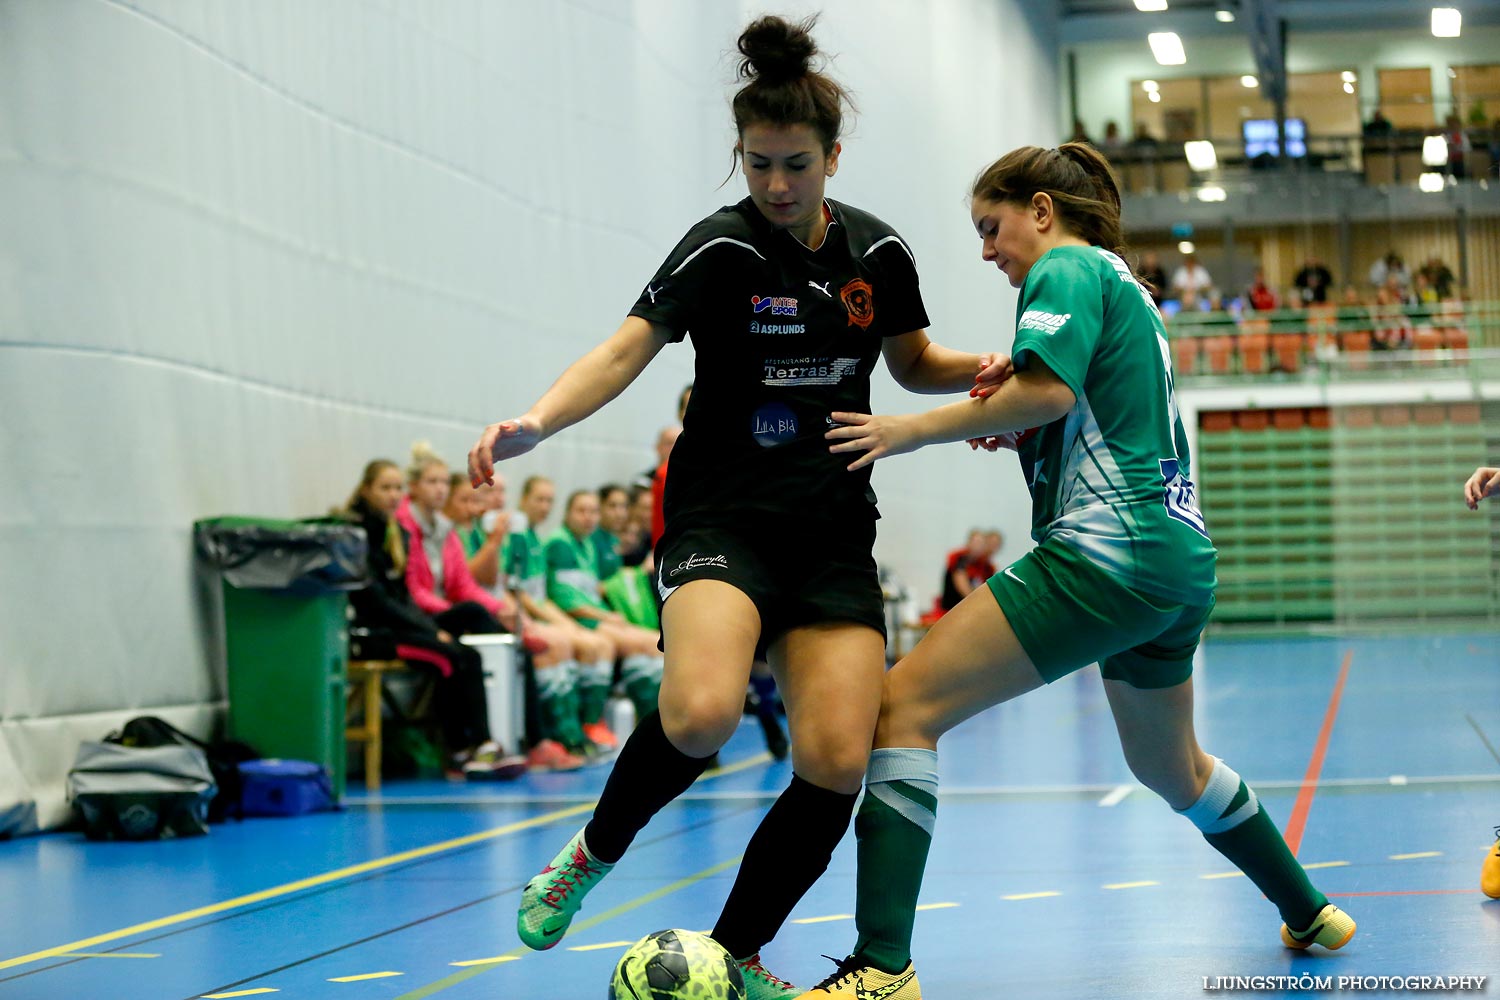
(1122, 573)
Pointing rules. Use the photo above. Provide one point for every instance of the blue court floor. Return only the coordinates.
(1052, 875)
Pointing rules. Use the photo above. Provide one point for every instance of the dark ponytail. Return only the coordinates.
(1077, 179)
(782, 88)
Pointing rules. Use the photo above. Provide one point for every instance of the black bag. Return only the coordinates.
(224, 759)
(141, 793)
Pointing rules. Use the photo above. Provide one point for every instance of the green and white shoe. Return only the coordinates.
(761, 983)
(551, 899)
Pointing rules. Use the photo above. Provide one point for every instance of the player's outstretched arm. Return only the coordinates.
(919, 365)
(590, 382)
(1030, 398)
(1485, 482)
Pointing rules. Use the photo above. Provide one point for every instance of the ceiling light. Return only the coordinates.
(1430, 182)
(1434, 151)
(1166, 46)
(1249, 81)
(1212, 192)
(1447, 22)
(1348, 87)
(1155, 96)
(1200, 154)
(1224, 16)
(1150, 86)
(1186, 247)
(1347, 76)
(1150, 5)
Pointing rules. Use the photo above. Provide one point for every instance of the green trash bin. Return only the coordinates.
(286, 638)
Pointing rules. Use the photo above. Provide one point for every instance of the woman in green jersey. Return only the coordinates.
(1122, 573)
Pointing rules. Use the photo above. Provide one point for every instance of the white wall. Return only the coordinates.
(252, 246)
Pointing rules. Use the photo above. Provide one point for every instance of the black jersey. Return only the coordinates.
(784, 336)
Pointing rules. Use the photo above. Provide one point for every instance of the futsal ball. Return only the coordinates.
(677, 965)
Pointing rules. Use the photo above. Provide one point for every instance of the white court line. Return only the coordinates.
(1031, 895)
(824, 920)
(1116, 796)
(1129, 885)
(1419, 854)
(936, 906)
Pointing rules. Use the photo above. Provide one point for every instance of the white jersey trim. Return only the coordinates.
(891, 239)
(718, 239)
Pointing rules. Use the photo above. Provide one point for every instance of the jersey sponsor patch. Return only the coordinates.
(695, 561)
(859, 300)
(809, 371)
(773, 424)
(779, 305)
(776, 329)
(1045, 322)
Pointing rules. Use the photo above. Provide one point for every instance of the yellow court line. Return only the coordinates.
(1224, 875)
(298, 886)
(935, 906)
(1419, 854)
(1327, 864)
(109, 954)
(824, 920)
(454, 979)
(239, 993)
(367, 975)
(741, 765)
(1129, 885)
(487, 961)
(1032, 895)
(601, 947)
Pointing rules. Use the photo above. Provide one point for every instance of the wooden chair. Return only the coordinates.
(366, 683)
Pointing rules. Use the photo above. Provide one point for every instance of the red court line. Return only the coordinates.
(1298, 823)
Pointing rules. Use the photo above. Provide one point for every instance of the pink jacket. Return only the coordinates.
(458, 582)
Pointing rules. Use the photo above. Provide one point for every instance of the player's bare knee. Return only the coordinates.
(831, 760)
(698, 723)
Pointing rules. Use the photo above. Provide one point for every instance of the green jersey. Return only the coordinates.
(1111, 478)
(607, 552)
(524, 562)
(573, 573)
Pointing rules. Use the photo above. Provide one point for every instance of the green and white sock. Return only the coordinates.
(641, 673)
(894, 826)
(1235, 825)
(557, 692)
(593, 689)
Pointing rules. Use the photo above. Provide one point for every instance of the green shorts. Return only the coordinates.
(1068, 613)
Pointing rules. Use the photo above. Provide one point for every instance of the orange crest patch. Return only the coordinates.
(859, 300)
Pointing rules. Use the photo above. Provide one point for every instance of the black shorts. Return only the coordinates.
(796, 572)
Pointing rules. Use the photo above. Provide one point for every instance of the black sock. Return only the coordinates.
(649, 773)
(788, 853)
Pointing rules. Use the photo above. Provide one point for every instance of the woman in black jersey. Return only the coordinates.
(789, 299)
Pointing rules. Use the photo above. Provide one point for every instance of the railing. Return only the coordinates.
(1323, 340)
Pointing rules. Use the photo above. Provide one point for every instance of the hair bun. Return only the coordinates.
(776, 50)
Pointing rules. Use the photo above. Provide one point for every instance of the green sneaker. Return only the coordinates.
(761, 984)
(551, 899)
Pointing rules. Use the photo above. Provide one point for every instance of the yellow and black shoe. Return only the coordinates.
(1489, 875)
(855, 980)
(1332, 928)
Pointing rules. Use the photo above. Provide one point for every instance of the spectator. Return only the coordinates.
(609, 537)
(1144, 142)
(1391, 327)
(393, 622)
(1113, 142)
(1388, 267)
(437, 572)
(665, 439)
(1154, 275)
(562, 697)
(1458, 146)
(1440, 277)
(967, 568)
(1312, 282)
(552, 655)
(1191, 277)
(1260, 296)
(1379, 126)
(635, 541)
(573, 585)
(1080, 134)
